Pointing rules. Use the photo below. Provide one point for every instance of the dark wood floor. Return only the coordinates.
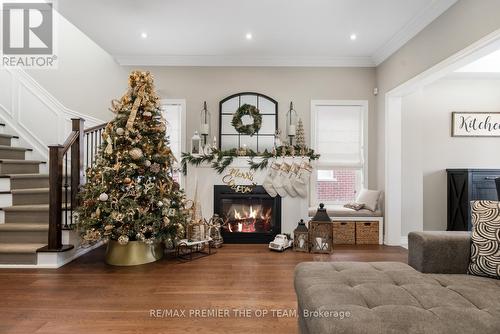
(88, 296)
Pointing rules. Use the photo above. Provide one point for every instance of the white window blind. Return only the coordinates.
(339, 134)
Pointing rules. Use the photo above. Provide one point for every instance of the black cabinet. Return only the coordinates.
(465, 185)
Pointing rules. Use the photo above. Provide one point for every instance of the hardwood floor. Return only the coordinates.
(88, 296)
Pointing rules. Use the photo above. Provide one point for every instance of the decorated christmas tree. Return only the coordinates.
(300, 137)
(130, 194)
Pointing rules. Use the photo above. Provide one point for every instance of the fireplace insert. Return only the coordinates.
(253, 217)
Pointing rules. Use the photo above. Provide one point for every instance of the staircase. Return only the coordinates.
(24, 191)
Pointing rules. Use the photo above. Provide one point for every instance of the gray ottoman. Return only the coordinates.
(392, 297)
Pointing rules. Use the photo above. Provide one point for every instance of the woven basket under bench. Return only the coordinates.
(344, 233)
(367, 233)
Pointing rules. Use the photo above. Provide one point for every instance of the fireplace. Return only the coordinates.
(253, 217)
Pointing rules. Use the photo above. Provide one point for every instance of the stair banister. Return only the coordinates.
(73, 144)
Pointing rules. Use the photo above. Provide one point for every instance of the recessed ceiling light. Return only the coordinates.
(144, 35)
(353, 37)
(248, 36)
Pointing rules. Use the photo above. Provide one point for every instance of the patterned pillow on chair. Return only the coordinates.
(485, 248)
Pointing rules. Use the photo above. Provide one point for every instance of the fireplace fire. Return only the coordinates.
(245, 218)
(248, 218)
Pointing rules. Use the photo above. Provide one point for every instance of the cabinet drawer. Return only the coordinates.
(485, 177)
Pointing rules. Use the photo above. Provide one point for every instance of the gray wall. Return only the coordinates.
(285, 84)
(463, 24)
(428, 148)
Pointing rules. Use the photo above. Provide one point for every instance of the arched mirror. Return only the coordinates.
(264, 139)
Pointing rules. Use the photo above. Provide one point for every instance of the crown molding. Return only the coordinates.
(411, 29)
(274, 61)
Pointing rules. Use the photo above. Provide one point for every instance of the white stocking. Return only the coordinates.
(301, 182)
(285, 171)
(268, 182)
(278, 181)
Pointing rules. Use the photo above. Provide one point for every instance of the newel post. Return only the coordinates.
(77, 151)
(55, 197)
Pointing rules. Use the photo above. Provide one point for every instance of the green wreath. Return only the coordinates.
(249, 129)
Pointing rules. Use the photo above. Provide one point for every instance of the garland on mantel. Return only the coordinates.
(220, 160)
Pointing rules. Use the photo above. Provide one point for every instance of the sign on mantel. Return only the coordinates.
(475, 124)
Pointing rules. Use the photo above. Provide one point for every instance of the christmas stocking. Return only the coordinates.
(268, 181)
(301, 182)
(278, 180)
(285, 168)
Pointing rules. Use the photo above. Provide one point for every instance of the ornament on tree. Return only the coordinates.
(135, 153)
(131, 172)
(123, 240)
(155, 168)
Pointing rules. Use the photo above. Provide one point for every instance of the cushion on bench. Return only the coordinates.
(341, 211)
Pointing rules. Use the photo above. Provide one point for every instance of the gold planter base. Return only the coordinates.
(133, 253)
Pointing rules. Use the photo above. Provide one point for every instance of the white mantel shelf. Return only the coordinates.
(292, 208)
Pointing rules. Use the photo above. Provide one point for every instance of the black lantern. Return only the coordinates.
(321, 232)
(301, 237)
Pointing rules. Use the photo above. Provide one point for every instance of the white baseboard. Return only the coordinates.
(404, 242)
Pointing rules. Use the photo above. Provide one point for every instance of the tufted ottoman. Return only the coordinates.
(392, 297)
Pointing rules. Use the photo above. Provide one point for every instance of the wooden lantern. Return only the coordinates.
(301, 238)
(321, 232)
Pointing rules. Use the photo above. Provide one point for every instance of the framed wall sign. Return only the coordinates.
(475, 124)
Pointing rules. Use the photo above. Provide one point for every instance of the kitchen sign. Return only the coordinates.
(475, 124)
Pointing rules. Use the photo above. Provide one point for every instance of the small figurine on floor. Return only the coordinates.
(281, 242)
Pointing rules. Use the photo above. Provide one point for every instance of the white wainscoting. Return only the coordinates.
(32, 113)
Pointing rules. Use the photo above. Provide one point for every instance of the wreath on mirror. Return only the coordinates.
(247, 129)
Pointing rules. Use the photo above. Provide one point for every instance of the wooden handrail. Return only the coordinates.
(96, 127)
(57, 158)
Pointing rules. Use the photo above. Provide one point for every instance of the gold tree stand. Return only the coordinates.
(133, 253)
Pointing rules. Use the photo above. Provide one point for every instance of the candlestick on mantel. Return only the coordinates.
(205, 122)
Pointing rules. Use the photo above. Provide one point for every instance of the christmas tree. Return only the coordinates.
(300, 138)
(130, 194)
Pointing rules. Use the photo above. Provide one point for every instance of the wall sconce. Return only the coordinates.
(205, 118)
(291, 123)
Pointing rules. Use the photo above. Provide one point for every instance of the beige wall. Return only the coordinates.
(428, 148)
(285, 84)
(463, 24)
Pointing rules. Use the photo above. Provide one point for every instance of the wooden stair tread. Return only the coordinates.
(13, 148)
(23, 227)
(30, 191)
(5, 135)
(20, 247)
(19, 161)
(26, 176)
(32, 207)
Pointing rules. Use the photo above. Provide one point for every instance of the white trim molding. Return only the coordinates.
(411, 29)
(245, 61)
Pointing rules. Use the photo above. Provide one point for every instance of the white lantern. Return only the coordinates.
(196, 143)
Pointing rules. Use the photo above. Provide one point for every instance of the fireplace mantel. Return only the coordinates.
(293, 209)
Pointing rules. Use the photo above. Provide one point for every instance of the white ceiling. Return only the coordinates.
(285, 32)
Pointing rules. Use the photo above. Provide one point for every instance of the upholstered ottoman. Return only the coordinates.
(392, 297)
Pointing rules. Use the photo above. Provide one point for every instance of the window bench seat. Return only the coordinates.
(338, 213)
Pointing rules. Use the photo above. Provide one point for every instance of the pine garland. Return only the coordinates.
(220, 160)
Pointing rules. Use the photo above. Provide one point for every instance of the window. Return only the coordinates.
(174, 113)
(338, 131)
